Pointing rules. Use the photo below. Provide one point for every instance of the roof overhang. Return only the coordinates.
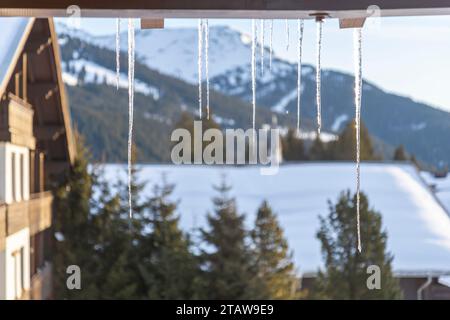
(225, 8)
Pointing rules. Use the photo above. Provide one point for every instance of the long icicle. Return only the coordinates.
(271, 45)
(357, 38)
(254, 72)
(117, 52)
(299, 70)
(318, 76)
(287, 34)
(200, 68)
(262, 46)
(207, 65)
(131, 47)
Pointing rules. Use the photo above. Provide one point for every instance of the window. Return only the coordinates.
(22, 176)
(18, 272)
(13, 176)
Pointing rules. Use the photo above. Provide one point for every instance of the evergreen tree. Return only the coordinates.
(400, 154)
(345, 275)
(81, 76)
(276, 276)
(344, 148)
(71, 228)
(168, 267)
(293, 148)
(228, 262)
(318, 150)
(114, 249)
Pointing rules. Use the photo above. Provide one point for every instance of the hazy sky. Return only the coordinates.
(409, 56)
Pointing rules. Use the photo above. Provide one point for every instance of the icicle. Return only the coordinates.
(287, 34)
(262, 46)
(299, 70)
(117, 52)
(207, 65)
(357, 38)
(253, 71)
(200, 69)
(271, 44)
(318, 76)
(131, 47)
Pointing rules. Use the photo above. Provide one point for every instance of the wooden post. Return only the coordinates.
(17, 84)
(41, 172)
(32, 171)
(24, 77)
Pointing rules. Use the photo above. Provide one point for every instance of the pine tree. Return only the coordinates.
(344, 148)
(228, 260)
(293, 148)
(318, 150)
(276, 276)
(168, 267)
(117, 276)
(400, 154)
(345, 275)
(71, 227)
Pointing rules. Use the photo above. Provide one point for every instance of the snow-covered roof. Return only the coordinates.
(13, 30)
(417, 225)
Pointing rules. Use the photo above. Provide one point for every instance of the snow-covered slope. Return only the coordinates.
(174, 51)
(418, 227)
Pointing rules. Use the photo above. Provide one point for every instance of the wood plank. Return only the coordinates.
(49, 132)
(152, 23)
(223, 8)
(351, 23)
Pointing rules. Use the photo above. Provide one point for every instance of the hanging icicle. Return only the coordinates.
(254, 72)
(287, 34)
(200, 68)
(271, 45)
(357, 39)
(262, 46)
(318, 75)
(117, 52)
(131, 49)
(299, 70)
(207, 65)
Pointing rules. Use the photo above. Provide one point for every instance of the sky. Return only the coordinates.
(409, 56)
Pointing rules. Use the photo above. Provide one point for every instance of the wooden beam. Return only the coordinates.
(351, 23)
(38, 47)
(24, 77)
(42, 89)
(49, 132)
(152, 23)
(223, 8)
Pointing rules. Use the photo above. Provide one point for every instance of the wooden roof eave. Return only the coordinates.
(225, 8)
(63, 97)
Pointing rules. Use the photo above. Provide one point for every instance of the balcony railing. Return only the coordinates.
(40, 211)
(35, 214)
(16, 122)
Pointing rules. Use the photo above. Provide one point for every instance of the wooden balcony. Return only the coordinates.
(35, 214)
(16, 122)
(40, 212)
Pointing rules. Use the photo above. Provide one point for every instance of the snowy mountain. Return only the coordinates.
(390, 118)
(174, 51)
